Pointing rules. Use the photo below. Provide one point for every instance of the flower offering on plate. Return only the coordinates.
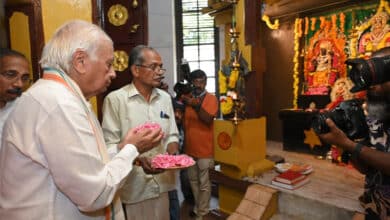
(166, 161)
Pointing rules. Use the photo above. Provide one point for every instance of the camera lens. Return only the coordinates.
(380, 69)
(318, 123)
(365, 73)
(359, 73)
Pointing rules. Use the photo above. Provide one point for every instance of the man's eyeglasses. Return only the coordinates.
(154, 68)
(14, 76)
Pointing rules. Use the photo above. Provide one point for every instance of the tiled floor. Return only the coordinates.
(186, 208)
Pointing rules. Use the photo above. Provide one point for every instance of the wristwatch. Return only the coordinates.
(356, 151)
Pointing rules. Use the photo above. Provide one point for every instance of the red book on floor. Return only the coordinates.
(297, 184)
(289, 177)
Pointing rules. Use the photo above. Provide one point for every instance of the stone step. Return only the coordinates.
(293, 207)
(279, 216)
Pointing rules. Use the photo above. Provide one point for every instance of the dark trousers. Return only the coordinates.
(186, 187)
(174, 206)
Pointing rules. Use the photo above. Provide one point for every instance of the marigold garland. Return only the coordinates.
(227, 84)
(273, 26)
(306, 25)
(313, 23)
(322, 22)
(334, 24)
(222, 83)
(297, 32)
(342, 22)
(233, 78)
(300, 27)
(226, 104)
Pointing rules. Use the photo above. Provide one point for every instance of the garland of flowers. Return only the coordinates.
(306, 25)
(334, 25)
(227, 85)
(313, 23)
(297, 35)
(342, 22)
(273, 26)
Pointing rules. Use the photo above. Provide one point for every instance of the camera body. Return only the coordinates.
(184, 87)
(366, 73)
(348, 116)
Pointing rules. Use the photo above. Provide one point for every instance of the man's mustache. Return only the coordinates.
(15, 91)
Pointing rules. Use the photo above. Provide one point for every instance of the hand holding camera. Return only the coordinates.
(349, 115)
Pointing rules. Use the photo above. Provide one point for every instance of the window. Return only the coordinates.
(196, 39)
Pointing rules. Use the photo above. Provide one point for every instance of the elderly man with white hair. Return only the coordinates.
(53, 160)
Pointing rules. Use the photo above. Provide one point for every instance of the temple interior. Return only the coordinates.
(273, 65)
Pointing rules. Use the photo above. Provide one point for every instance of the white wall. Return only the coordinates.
(162, 35)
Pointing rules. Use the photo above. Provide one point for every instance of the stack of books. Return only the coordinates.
(302, 168)
(290, 180)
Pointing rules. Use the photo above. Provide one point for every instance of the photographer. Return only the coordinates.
(373, 161)
(201, 108)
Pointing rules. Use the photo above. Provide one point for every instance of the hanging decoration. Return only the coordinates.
(297, 35)
(342, 22)
(306, 25)
(313, 23)
(273, 26)
(227, 86)
(231, 78)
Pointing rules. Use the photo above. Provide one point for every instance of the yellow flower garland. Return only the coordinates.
(222, 82)
(313, 23)
(306, 25)
(297, 35)
(342, 22)
(233, 78)
(273, 26)
(227, 84)
(226, 105)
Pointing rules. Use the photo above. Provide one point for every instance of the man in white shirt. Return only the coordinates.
(145, 195)
(14, 76)
(53, 160)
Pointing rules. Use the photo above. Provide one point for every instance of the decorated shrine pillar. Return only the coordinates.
(239, 143)
(240, 149)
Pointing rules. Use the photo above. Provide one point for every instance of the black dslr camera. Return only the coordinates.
(184, 86)
(348, 116)
(365, 73)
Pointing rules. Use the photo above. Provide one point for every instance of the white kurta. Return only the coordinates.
(50, 164)
(4, 112)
